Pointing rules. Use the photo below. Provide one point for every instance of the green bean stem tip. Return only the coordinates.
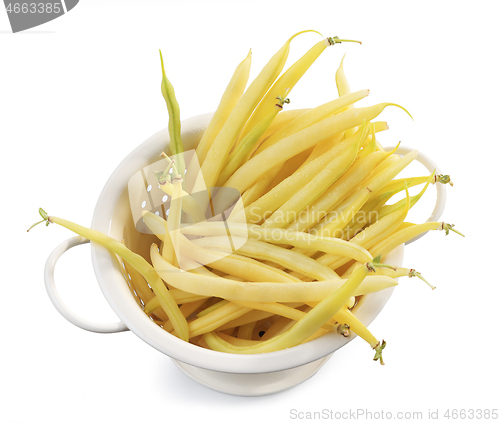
(444, 179)
(378, 352)
(343, 330)
(447, 227)
(372, 267)
(171, 164)
(413, 273)
(337, 40)
(45, 218)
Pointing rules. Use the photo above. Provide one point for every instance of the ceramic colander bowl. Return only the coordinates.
(249, 375)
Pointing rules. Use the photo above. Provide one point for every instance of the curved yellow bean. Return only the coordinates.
(288, 147)
(167, 302)
(278, 236)
(230, 98)
(289, 211)
(304, 328)
(237, 157)
(337, 220)
(359, 170)
(228, 134)
(281, 310)
(286, 81)
(258, 291)
(340, 154)
(234, 264)
(264, 251)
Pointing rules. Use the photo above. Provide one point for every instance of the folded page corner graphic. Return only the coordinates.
(70, 4)
(29, 14)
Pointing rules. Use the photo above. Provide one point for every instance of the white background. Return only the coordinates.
(79, 93)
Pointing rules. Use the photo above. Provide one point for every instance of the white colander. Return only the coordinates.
(249, 375)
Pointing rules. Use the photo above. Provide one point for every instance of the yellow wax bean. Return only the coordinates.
(337, 220)
(371, 235)
(230, 98)
(281, 310)
(174, 120)
(403, 235)
(158, 226)
(343, 87)
(405, 225)
(257, 166)
(229, 133)
(290, 210)
(387, 163)
(253, 316)
(385, 210)
(368, 240)
(187, 310)
(360, 170)
(237, 157)
(139, 283)
(200, 270)
(216, 318)
(283, 236)
(374, 209)
(369, 146)
(294, 164)
(366, 215)
(213, 307)
(246, 331)
(401, 271)
(151, 305)
(283, 118)
(323, 146)
(313, 116)
(397, 185)
(287, 80)
(262, 186)
(166, 300)
(304, 328)
(182, 297)
(241, 341)
(235, 264)
(258, 291)
(280, 326)
(305, 120)
(174, 217)
(347, 317)
(264, 251)
(340, 155)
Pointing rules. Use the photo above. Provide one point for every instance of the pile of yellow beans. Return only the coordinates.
(312, 223)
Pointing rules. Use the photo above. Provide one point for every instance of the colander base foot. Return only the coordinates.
(252, 384)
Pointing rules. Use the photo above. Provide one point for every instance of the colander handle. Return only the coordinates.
(56, 299)
(440, 188)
